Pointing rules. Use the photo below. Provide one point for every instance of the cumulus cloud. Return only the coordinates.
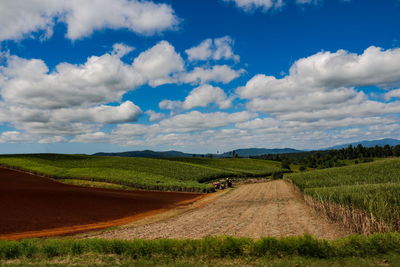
(170, 104)
(217, 73)
(96, 137)
(78, 99)
(154, 116)
(195, 120)
(126, 112)
(201, 96)
(16, 137)
(158, 63)
(101, 79)
(21, 18)
(213, 49)
(53, 139)
(392, 94)
(56, 128)
(323, 86)
(204, 95)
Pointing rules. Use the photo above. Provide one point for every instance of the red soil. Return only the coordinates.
(35, 206)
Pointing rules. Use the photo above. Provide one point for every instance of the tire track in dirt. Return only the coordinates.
(273, 208)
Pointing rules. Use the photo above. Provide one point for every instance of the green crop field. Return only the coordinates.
(144, 173)
(373, 188)
(240, 166)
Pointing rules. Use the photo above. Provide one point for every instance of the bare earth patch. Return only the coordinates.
(253, 210)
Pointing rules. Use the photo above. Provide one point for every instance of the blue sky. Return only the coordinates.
(197, 76)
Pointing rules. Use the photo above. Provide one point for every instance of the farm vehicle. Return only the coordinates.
(222, 184)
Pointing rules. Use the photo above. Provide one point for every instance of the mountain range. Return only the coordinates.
(244, 152)
(369, 143)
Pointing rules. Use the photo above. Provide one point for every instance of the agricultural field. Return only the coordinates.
(242, 166)
(372, 188)
(142, 173)
(36, 206)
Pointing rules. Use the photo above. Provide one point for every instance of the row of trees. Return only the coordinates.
(334, 158)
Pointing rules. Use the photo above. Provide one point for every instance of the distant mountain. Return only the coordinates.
(247, 152)
(369, 143)
(147, 154)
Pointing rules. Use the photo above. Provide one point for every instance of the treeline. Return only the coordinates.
(333, 158)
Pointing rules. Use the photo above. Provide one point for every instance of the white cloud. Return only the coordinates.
(126, 112)
(250, 5)
(322, 86)
(170, 104)
(204, 95)
(392, 94)
(96, 137)
(201, 96)
(52, 139)
(158, 63)
(326, 70)
(196, 121)
(217, 73)
(154, 116)
(121, 50)
(136, 130)
(16, 137)
(56, 128)
(215, 49)
(267, 5)
(100, 80)
(20, 18)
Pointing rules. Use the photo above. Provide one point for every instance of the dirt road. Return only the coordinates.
(253, 210)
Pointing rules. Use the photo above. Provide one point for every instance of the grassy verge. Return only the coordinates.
(212, 247)
(96, 184)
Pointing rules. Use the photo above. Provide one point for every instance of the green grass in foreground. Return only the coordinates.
(371, 187)
(143, 173)
(212, 247)
(91, 259)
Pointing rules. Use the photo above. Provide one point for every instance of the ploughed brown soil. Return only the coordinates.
(273, 208)
(34, 206)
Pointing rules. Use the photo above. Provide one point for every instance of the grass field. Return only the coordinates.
(142, 173)
(295, 251)
(373, 188)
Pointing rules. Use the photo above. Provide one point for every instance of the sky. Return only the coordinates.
(199, 76)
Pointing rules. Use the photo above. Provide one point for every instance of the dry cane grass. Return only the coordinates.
(353, 219)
